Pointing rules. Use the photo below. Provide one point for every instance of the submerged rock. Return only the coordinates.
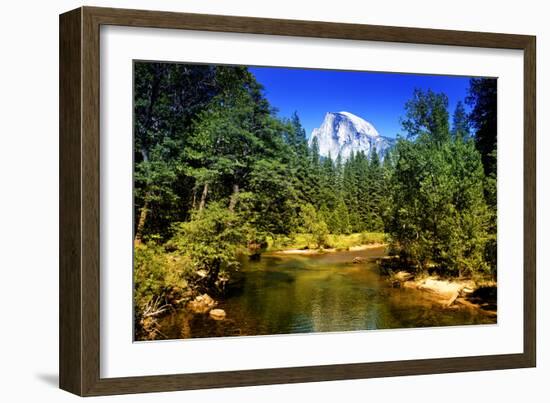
(398, 279)
(358, 259)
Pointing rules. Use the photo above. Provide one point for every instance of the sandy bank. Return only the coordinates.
(328, 250)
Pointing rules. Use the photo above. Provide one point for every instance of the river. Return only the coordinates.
(284, 294)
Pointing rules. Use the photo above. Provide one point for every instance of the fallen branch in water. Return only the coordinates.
(147, 319)
(153, 308)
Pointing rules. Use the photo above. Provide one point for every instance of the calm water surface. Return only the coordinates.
(282, 294)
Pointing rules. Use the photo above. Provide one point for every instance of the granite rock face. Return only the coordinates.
(343, 133)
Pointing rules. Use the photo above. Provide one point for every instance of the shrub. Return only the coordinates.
(211, 241)
(156, 273)
(372, 237)
(314, 225)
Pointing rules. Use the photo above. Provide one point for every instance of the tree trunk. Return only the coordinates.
(234, 198)
(203, 196)
(141, 222)
(213, 274)
(144, 155)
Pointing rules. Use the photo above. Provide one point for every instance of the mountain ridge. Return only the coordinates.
(343, 133)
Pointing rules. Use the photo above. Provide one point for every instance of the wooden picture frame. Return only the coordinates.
(79, 201)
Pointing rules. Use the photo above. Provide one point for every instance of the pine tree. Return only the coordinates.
(461, 124)
(349, 194)
(340, 222)
(314, 168)
(482, 97)
(327, 182)
(439, 214)
(361, 171)
(299, 166)
(376, 192)
(314, 225)
(427, 118)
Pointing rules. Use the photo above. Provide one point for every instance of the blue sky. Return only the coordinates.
(376, 97)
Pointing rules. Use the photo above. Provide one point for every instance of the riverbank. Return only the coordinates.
(327, 250)
(339, 285)
(449, 292)
(306, 244)
(166, 281)
(318, 292)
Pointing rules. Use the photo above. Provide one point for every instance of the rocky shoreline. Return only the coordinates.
(450, 292)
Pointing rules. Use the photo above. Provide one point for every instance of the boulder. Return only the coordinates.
(217, 314)
(201, 304)
(358, 259)
(446, 291)
(402, 276)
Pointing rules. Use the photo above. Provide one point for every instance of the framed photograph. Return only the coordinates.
(249, 201)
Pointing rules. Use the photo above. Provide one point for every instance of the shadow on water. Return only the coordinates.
(317, 293)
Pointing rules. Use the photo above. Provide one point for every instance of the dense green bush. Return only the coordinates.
(314, 225)
(211, 241)
(157, 273)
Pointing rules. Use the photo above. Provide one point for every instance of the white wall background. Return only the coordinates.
(29, 198)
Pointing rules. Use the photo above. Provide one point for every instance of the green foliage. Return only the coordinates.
(482, 98)
(461, 124)
(157, 273)
(222, 140)
(347, 241)
(427, 118)
(439, 214)
(313, 224)
(298, 154)
(211, 240)
(339, 219)
(156, 187)
(166, 99)
(367, 238)
(274, 200)
(336, 241)
(282, 242)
